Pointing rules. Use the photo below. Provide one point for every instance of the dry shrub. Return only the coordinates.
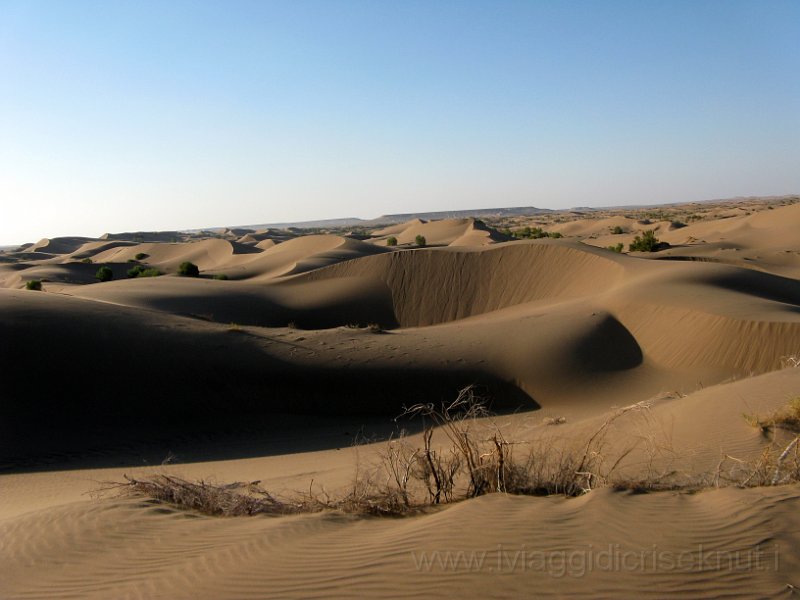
(786, 418)
(478, 459)
(776, 465)
(232, 499)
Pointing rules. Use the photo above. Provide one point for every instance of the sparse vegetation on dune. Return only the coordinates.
(188, 269)
(476, 460)
(33, 284)
(786, 418)
(534, 233)
(647, 242)
(141, 271)
(420, 241)
(391, 241)
(104, 274)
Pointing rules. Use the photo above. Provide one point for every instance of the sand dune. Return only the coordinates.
(437, 285)
(135, 550)
(764, 240)
(273, 375)
(61, 245)
(447, 232)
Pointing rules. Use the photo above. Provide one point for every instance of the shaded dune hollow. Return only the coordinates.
(429, 287)
(550, 324)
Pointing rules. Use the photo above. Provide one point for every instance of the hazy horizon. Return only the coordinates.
(186, 115)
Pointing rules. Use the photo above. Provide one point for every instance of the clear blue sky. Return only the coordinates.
(122, 115)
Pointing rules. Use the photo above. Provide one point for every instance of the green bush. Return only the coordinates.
(420, 241)
(648, 242)
(141, 256)
(140, 271)
(104, 274)
(188, 269)
(617, 248)
(617, 230)
(86, 261)
(220, 276)
(534, 233)
(391, 241)
(33, 284)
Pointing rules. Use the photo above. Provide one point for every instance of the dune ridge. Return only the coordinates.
(293, 370)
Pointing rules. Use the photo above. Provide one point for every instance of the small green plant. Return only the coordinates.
(391, 241)
(677, 224)
(188, 269)
(534, 233)
(140, 271)
(220, 277)
(33, 284)
(647, 242)
(617, 248)
(86, 261)
(421, 241)
(141, 256)
(104, 274)
(617, 230)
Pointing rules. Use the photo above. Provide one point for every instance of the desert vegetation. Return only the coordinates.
(142, 271)
(188, 269)
(534, 233)
(647, 242)
(460, 456)
(33, 284)
(786, 418)
(420, 241)
(391, 241)
(104, 274)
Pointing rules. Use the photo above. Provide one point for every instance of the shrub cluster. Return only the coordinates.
(141, 271)
(647, 242)
(534, 233)
(104, 274)
(188, 269)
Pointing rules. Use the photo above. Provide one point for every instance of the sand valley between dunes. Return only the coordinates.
(287, 361)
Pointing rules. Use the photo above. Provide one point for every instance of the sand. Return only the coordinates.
(316, 342)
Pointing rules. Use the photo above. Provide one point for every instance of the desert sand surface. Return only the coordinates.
(289, 358)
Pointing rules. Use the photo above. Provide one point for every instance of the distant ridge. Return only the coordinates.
(521, 211)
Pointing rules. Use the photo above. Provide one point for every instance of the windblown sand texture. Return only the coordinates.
(272, 374)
